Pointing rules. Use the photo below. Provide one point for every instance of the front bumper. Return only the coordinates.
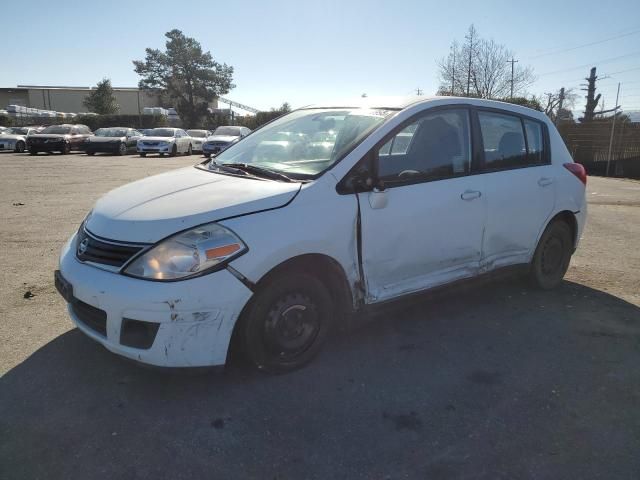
(195, 317)
(211, 149)
(154, 148)
(47, 147)
(101, 147)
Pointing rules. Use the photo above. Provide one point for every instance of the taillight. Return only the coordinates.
(578, 170)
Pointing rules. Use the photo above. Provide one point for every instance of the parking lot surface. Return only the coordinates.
(497, 381)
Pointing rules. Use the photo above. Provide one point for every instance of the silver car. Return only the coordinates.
(15, 138)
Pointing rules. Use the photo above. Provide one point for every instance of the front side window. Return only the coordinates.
(503, 140)
(56, 130)
(305, 142)
(436, 146)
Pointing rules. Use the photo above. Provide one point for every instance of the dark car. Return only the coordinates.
(59, 138)
(118, 140)
(222, 137)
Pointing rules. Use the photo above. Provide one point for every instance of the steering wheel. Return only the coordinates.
(406, 173)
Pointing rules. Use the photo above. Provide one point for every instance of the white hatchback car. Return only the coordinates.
(272, 249)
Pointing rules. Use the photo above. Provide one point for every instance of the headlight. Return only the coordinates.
(188, 254)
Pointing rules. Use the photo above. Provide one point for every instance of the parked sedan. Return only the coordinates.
(275, 251)
(165, 141)
(16, 138)
(59, 138)
(119, 140)
(222, 137)
(198, 137)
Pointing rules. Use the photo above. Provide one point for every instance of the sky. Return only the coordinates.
(305, 52)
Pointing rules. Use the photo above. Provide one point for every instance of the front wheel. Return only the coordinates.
(286, 323)
(33, 151)
(19, 147)
(208, 155)
(174, 151)
(142, 155)
(553, 254)
(122, 149)
(190, 150)
(66, 149)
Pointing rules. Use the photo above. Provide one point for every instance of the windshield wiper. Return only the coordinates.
(258, 171)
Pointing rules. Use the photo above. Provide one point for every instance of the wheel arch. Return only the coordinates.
(327, 269)
(569, 218)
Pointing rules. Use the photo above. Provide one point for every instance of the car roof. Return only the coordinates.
(403, 102)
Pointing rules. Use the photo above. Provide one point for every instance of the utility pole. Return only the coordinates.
(560, 103)
(469, 66)
(512, 62)
(613, 129)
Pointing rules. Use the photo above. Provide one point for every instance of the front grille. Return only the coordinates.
(138, 334)
(92, 317)
(151, 144)
(216, 144)
(90, 249)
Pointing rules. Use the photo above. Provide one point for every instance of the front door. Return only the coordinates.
(425, 227)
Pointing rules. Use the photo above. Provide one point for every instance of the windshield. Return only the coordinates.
(18, 131)
(197, 133)
(57, 129)
(161, 132)
(111, 132)
(228, 131)
(305, 142)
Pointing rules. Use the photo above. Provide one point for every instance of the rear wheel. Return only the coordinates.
(66, 149)
(33, 152)
(208, 155)
(190, 150)
(286, 323)
(122, 149)
(19, 147)
(553, 254)
(91, 153)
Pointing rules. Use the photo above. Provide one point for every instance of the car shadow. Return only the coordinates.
(495, 381)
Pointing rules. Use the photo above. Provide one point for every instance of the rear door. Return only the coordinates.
(425, 227)
(519, 185)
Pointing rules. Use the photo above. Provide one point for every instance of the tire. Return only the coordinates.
(286, 323)
(122, 149)
(174, 151)
(208, 155)
(142, 155)
(190, 151)
(19, 147)
(33, 152)
(552, 256)
(91, 153)
(66, 149)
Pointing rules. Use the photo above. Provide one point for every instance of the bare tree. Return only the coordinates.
(550, 102)
(480, 68)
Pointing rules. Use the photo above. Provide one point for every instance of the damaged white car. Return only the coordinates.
(273, 246)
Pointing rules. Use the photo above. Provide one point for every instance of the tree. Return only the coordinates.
(186, 75)
(551, 104)
(480, 68)
(101, 99)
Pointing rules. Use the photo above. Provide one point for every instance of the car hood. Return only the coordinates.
(50, 135)
(95, 138)
(158, 139)
(153, 208)
(221, 138)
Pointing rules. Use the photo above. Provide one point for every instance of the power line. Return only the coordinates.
(598, 62)
(584, 45)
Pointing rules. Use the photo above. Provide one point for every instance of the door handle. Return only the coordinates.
(470, 195)
(545, 181)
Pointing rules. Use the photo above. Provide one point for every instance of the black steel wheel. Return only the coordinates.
(286, 323)
(553, 254)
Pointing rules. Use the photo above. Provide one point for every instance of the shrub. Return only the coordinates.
(5, 121)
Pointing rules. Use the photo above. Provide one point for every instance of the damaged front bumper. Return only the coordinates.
(174, 324)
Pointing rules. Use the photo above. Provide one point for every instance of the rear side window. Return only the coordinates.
(535, 142)
(510, 142)
(435, 146)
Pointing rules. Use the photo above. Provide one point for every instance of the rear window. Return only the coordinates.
(56, 129)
